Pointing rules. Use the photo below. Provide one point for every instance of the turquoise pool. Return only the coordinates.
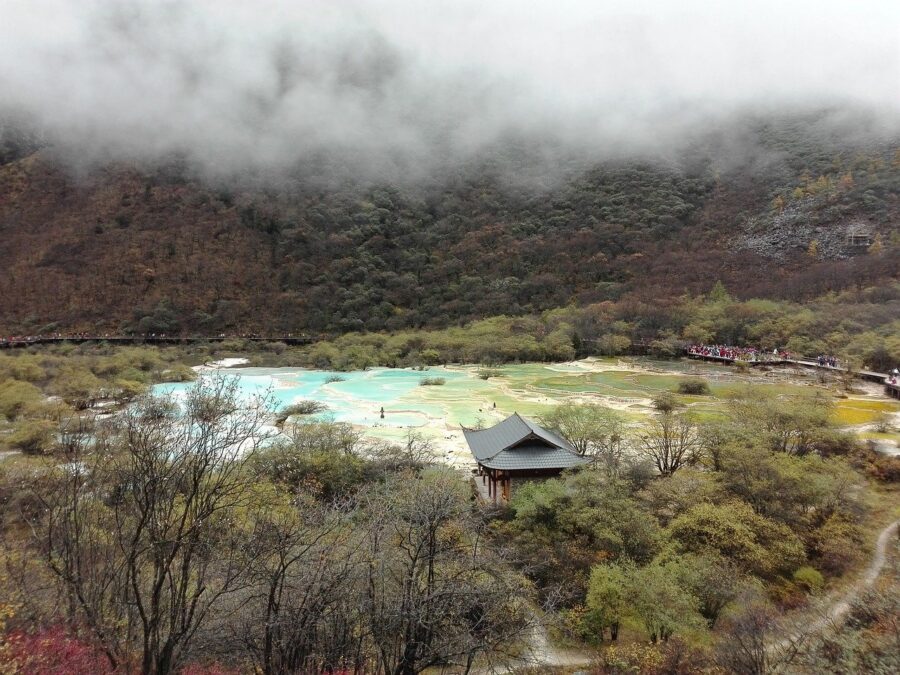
(357, 399)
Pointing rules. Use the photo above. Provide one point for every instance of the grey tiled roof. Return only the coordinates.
(493, 447)
(548, 435)
(533, 457)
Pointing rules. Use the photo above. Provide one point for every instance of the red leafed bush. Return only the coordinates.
(53, 651)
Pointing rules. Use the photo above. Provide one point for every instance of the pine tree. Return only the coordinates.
(718, 293)
(778, 203)
(813, 249)
(877, 246)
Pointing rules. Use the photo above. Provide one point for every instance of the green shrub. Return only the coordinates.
(665, 402)
(693, 386)
(334, 378)
(431, 356)
(179, 372)
(665, 348)
(233, 345)
(809, 578)
(128, 390)
(15, 396)
(25, 367)
(883, 424)
(325, 474)
(78, 386)
(610, 344)
(34, 437)
(488, 373)
(837, 545)
(300, 408)
(432, 381)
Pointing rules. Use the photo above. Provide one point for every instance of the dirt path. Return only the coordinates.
(539, 653)
(839, 609)
(835, 613)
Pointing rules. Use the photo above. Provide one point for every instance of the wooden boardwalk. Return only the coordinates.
(726, 359)
(13, 343)
(891, 389)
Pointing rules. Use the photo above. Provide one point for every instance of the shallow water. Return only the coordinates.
(357, 399)
(530, 389)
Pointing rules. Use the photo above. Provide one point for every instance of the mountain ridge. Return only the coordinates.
(125, 248)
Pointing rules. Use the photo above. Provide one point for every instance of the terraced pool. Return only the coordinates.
(530, 389)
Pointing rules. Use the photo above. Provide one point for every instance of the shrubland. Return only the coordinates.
(858, 326)
(40, 388)
(178, 536)
(174, 536)
(747, 530)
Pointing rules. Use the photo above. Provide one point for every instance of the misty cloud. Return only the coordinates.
(394, 88)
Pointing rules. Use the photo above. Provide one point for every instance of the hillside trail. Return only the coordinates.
(834, 613)
(541, 652)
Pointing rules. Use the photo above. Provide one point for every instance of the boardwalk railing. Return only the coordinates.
(14, 342)
(891, 389)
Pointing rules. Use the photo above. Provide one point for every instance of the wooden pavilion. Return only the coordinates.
(516, 451)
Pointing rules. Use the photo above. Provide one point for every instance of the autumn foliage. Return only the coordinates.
(56, 651)
(158, 250)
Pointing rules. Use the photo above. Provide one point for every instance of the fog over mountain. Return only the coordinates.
(393, 89)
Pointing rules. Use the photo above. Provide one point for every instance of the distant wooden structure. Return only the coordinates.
(859, 235)
(517, 451)
(869, 375)
(729, 360)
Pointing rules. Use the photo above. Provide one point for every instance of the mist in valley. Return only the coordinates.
(405, 92)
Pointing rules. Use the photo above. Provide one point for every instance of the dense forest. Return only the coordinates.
(768, 208)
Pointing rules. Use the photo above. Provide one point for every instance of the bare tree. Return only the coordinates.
(670, 440)
(415, 452)
(144, 528)
(756, 640)
(433, 596)
(593, 430)
(303, 577)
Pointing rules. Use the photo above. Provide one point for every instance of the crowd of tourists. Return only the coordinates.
(755, 355)
(46, 337)
(825, 360)
(738, 353)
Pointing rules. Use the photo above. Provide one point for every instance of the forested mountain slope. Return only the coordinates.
(159, 249)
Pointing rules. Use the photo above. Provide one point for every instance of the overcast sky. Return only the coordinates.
(402, 85)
